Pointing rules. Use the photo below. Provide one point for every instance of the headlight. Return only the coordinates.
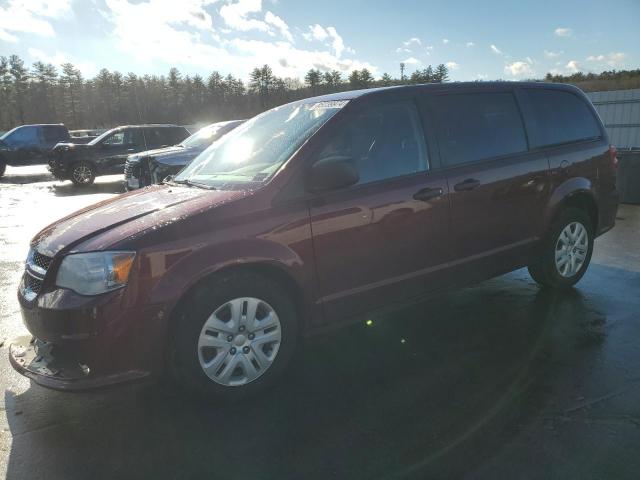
(96, 272)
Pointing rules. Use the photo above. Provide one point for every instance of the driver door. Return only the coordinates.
(384, 239)
(118, 147)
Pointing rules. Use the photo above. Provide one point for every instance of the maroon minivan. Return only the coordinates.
(310, 215)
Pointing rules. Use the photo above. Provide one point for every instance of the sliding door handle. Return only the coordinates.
(428, 193)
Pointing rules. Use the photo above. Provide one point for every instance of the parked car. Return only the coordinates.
(153, 166)
(107, 154)
(310, 215)
(30, 144)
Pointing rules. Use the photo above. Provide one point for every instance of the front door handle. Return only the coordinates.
(428, 193)
(468, 184)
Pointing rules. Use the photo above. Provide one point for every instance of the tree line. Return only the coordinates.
(44, 93)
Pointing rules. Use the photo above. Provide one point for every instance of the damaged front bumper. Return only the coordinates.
(54, 367)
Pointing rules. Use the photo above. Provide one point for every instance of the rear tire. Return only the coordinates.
(566, 252)
(233, 336)
(82, 174)
(3, 167)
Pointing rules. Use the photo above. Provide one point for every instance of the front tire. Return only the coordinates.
(3, 167)
(566, 252)
(83, 174)
(234, 336)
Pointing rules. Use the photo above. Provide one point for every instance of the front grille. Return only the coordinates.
(37, 266)
(41, 261)
(32, 284)
(128, 169)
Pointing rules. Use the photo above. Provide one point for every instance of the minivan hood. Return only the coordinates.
(157, 206)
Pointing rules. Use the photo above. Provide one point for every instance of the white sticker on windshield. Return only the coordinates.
(329, 104)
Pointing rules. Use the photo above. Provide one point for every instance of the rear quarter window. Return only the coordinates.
(559, 117)
(477, 126)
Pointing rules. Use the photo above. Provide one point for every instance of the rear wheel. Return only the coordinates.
(3, 167)
(234, 336)
(566, 252)
(82, 173)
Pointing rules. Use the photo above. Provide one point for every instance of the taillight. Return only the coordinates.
(613, 155)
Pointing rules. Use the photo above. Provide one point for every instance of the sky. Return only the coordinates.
(484, 39)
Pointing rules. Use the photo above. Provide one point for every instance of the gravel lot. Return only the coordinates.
(500, 380)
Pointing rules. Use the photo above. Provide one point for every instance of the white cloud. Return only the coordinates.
(87, 68)
(181, 34)
(481, 76)
(613, 59)
(470, 44)
(402, 50)
(519, 69)
(7, 37)
(20, 16)
(279, 24)
(445, 41)
(550, 54)
(320, 33)
(316, 32)
(412, 41)
(572, 66)
(236, 15)
(411, 61)
(563, 32)
(452, 65)
(495, 49)
(596, 58)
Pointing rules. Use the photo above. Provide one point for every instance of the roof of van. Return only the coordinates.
(352, 94)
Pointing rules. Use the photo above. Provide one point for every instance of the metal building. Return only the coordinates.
(620, 113)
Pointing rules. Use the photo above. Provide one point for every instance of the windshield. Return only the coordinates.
(6, 134)
(204, 137)
(255, 151)
(101, 137)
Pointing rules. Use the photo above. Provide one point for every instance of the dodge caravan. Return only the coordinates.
(310, 215)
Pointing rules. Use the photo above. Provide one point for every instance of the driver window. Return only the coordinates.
(382, 142)
(116, 138)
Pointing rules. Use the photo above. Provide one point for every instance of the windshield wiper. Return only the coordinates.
(190, 184)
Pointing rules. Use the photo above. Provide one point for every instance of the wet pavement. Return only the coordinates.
(500, 380)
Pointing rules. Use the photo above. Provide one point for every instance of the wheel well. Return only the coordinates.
(263, 269)
(585, 202)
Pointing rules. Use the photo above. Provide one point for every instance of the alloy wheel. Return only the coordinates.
(571, 249)
(82, 173)
(239, 341)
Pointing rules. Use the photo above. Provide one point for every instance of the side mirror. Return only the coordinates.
(331, 173)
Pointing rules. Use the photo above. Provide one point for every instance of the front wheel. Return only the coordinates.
(234, 336)
(82, 173)
(566, 252)
(3, 167)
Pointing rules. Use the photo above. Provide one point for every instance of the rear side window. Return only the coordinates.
(559, 117)
(176, 135)
(163, 137)
(477, 126)
(54, 133)
(382, 141)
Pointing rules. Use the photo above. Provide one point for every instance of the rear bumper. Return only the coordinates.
(608, 210)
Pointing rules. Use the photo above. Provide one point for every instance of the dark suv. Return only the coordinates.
(30, 144)
(107, 154)
(153, 166)
(310, 215)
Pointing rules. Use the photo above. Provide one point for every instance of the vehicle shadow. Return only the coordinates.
(25, 175)
(430, 391)
(68, 189)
